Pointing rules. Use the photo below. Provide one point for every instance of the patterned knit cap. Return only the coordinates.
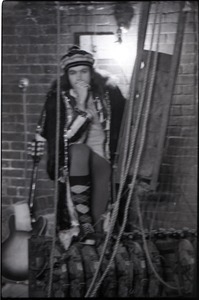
(76, 57)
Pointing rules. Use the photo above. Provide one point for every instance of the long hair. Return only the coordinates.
(99, 81)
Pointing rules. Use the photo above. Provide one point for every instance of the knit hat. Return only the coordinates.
(76, 57)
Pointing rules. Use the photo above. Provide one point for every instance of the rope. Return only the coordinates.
(196, 62)
(136, 165)
(56, 154)
(25, 137)
(126, 143)
(138, 206)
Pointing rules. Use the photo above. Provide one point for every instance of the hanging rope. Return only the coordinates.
(141, 39)
(137, 160)
(145, 246)
(56, 191)
(23, 84)
(196, 62)
(143, 135)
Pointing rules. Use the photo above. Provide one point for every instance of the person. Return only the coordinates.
(91, 109)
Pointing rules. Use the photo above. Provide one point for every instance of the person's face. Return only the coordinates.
(79, 73)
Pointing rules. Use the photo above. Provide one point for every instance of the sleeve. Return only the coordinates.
(49, 132)
(79, 125)
(117, 102)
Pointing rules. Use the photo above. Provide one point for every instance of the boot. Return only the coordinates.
(81, 194)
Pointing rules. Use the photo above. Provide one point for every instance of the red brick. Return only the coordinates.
(188, 48)
(20, 49)
(38, 89)
(18, 69)
(44, 59)
(5, 145)
(37, 69)
(11, 191)
(18, 182)
(45, 69)
(18, 199)
(43, 39)
(174, 131)
(188, 69)
(8, 30)
(175, 151)
(182, 121)
(17, 145)
(189, 131)
(184, 99)
(21, 191)
(169, 28)
(183, 169)
(7, 201)
(42, 49)
(9, 118)
(185, 79)
(11, 88)
(32, 59)
(12, 173)
(188, 110)
(169, 18)
(13, 136)
(188, 90)
(176, 110)
(45, 184)
(13, 59)
(178, 90)
(182, 142)
(67, 40)
(188, 58)
(11, 154)
(6, 164)
(12, 127)
(18, 164)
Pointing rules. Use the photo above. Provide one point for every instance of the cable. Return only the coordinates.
(56, 153)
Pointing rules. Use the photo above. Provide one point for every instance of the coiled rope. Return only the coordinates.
(56, 153)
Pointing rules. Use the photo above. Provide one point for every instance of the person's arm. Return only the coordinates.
(79, 125)
(117, 101)
(82, 116)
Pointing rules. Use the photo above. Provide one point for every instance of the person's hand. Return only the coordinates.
(81, 89)
(39, 138)
(36, 149)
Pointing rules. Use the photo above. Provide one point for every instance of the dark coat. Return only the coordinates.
(117, 102)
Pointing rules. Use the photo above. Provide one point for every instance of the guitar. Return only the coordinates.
(22, 225)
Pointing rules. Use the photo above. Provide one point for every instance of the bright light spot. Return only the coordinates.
(142, 65)
(124, 54)
(106, 47)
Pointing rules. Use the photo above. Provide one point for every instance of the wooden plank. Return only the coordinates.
(169, 94)
(157, 109)
(143, 22)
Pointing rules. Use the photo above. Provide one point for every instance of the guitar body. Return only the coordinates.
(15, 262)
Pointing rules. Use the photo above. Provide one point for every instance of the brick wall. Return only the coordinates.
(29, 50)
(178, 174)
